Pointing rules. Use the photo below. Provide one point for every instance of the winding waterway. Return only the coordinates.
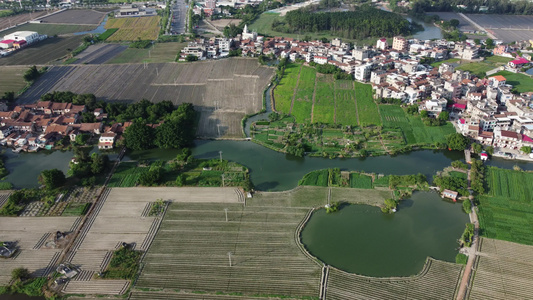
(361, 239)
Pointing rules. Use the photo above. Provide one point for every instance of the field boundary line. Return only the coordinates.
(355, 102)
(314, 97)
(295, 89)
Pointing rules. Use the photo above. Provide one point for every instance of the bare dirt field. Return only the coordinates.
(221, 23)
(34, 237)
(45, 52)
(99, 53)
(504, 270)
(506, 27)
(7, 22)
(438, 280)
(222, 91)
(122, 215)
(76, 16)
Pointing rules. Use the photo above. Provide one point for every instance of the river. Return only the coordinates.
(361, 239)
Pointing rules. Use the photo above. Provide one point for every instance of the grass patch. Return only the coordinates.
(124, 264)
(76, 209)
(448, 61)
(480, 68)
(11, 79)
(461, 259)
(520, 82)
(367, 109)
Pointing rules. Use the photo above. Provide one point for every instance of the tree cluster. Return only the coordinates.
(17, 200)
(331, 69)
(31, 74)
(457, 184)
(363, 23)
(406, 180)
(177, 130)
(457, 141)
(477, 173)
(86, 166)
(52, 179)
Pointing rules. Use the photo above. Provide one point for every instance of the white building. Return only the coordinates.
(382, 44)
(106, 140)
(362, 72)
(246, 34)
(28, 36)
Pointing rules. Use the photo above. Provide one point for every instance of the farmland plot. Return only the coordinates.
(222, 98)
(324, 108)
(284, 91)
(35, 240)
(504, 271)
(367, 109)
(11, 79)
(265, 257)
(76, 16)
(7, 22)
(47, 51)
(507, 211)
(131, 29)
(438, 280)
(303, 99)
(345, 108)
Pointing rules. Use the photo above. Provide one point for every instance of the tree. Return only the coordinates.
(52, 179)
(457, 141)
(459, 165)
(20, 274)
(454, 22)
(171, 134)
(31, 74)
(444, 116)
(526, 149)
(489, 43)
(81, 139)
(9, 97)
(477, 148)
(191, 57)
(490, 150)
(424, 114)
(88, 117)
(139, 136)
(181, 180)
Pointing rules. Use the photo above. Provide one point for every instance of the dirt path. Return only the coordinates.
(295, 89)
(467, 274)
(314, 96)
(355, 102)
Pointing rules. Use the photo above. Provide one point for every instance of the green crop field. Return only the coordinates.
(284, 91)
(520, 82)
(126, 175)
(448, 61)
(367, 109)
(324, 108)
(315, 178)
(303, 100)
(360, 181)
(415, 132)
(506, 213)
(345, 110)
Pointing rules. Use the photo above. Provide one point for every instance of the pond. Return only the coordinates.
(24, 168)
(430, 31)
(98, 30)
(361, 239)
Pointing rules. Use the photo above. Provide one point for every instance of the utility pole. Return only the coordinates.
(229, 256)
(226, 211)
(220, 152)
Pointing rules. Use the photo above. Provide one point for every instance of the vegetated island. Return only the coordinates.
(399, 186)
(321, 113)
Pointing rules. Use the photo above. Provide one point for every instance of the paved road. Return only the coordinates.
(179, 17)
(472, 251)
